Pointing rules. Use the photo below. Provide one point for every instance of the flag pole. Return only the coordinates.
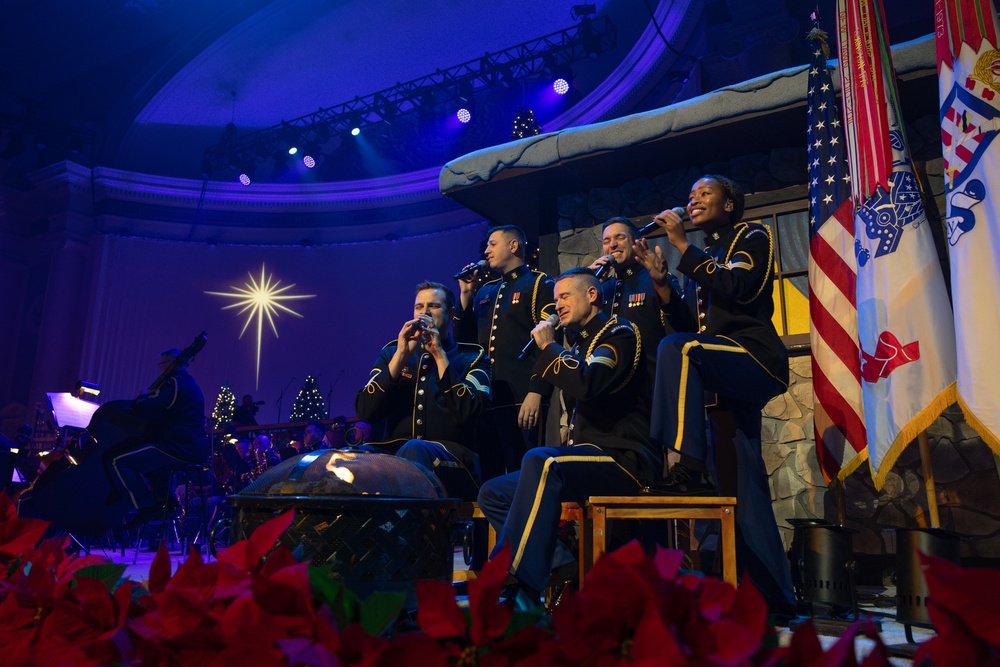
(925, 462)
(838, 492)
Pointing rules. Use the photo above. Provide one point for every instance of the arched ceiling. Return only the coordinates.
(152, 82)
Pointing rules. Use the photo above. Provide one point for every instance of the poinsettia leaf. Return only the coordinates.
(159, 571)
(489, 618)
(668, 561)
(959, 591)
(804, 648)
(110, 574)
(749, 607)
(262, 540)
(306, 651)
(20, 535)
(378, 611)
(437, 612)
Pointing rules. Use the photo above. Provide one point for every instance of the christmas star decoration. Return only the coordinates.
(261, 300)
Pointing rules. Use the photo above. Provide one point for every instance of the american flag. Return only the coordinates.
(836, 360)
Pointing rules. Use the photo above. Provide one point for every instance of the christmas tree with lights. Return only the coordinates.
(525, 124)
(225, 404)
(308, 404)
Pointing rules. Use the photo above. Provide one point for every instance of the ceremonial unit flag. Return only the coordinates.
(969, 80)
(838, 416)
(905, 327)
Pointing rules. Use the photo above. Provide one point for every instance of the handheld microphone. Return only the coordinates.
(553, 320)
(481, 265)
(601, 270)
(651, 227)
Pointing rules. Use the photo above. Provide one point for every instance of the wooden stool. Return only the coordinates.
(468, 511)
(600, 509)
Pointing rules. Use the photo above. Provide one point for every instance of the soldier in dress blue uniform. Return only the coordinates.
(609, 451)
(731, 348)
(632, 293)
(426, 392)
(500, 316)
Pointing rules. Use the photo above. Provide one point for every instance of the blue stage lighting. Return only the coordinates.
(355, 131)
(244, 179)
(464, 115)
(309, 161)
(561, 86)
(293, 150)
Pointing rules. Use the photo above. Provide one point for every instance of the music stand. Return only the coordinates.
(69, 411)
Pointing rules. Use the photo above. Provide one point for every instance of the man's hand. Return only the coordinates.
(543, 333)
(531, 408)
(406, 344)
(604, 260)
(468, 286)
(654, 262)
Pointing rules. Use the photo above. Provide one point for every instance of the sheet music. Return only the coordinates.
(68, 410)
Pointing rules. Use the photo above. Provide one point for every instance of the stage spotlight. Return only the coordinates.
(463, 115)
(355, 131)
(245, 179)
(293, 150)
(309, 161)
(561, 86)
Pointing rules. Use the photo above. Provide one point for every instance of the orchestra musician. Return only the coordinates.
(175, 414)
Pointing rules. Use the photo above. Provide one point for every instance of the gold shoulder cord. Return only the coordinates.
(638, 349)
(770, 257)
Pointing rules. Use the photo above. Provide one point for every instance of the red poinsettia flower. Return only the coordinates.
(16, 535)
(966, 621)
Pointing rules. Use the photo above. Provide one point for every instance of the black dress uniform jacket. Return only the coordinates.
(506, 310)
(603, 379)
(729, 294)
(424, 406)
(631, 295)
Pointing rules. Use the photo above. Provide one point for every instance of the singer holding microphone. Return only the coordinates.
(609, 451)
(426, 392)
(729, 347)
(632, 293)
(500, 316)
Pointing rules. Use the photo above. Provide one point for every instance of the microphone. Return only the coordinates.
(651, 227)
(553, 320)
(601, 270)
(481, 265)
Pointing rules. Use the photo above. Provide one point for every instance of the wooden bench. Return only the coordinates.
(601, 509)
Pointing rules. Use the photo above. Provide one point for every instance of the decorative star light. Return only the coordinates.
(261, 300)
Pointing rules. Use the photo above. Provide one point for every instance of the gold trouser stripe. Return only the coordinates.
(682, 390)
(538, 496)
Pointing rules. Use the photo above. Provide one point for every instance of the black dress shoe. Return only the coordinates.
(683, 481)
(520, 597)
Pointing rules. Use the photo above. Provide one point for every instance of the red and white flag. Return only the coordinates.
(838, 416)
(969, 80)
(905, 327)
